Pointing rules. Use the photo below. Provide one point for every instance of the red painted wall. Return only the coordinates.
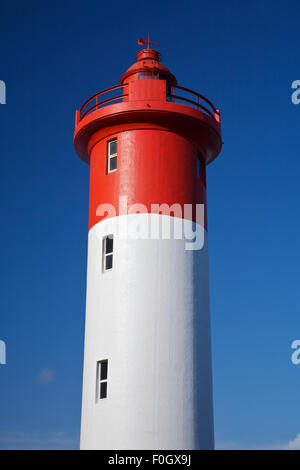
(154, 166)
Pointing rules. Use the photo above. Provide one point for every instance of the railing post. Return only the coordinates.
(77, 117)
(217, 116)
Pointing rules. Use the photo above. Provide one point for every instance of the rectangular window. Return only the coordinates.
(201, 170)
(112, 156)
(198, 167)
(108, 248)
(101, 388)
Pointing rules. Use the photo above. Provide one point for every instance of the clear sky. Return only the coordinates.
(243, 56)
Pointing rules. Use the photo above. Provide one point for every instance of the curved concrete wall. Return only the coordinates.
(149, 316)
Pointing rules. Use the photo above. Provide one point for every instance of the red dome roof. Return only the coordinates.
(148, 62)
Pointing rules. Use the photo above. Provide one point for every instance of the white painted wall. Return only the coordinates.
(149, 317)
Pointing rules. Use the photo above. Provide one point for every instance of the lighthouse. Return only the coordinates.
(147, 379)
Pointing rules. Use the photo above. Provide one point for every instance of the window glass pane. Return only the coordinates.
(109, 244)
(169, 92)
(112, 163)
(112, 147)
(108, 261)
(103, 389)
(198, 168)
(164, 77)
(103, 370)
(147, 75)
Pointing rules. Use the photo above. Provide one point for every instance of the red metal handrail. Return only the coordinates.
(100, 103)
(192, 102)
(101, 93)
(97, 105)
(196, 94)
(212, 112)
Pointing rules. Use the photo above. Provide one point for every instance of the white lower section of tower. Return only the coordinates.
(149, 318)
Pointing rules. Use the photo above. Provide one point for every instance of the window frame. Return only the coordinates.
(100, 381)
(110, 156)
(107, 254)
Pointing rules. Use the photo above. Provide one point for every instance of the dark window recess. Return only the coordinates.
(148, 75)
(112, 163)
(198, 167)
(103, 390)
(201, 170)
(108, 262)
(112, 147)
(108, 247)
(112, 155)
(102, 372)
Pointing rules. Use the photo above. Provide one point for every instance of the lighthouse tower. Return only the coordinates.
(147, 381)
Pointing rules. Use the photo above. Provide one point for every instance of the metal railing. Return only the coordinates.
(194, 99)
(95, 101)
(198, 102)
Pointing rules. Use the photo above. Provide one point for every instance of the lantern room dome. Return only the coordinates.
(148, 66)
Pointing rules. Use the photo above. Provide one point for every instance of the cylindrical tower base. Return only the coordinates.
(149, 318)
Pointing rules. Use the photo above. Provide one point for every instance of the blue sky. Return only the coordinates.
(244, 57)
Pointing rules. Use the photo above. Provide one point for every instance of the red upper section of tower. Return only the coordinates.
(161, 131)
(148, 94)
